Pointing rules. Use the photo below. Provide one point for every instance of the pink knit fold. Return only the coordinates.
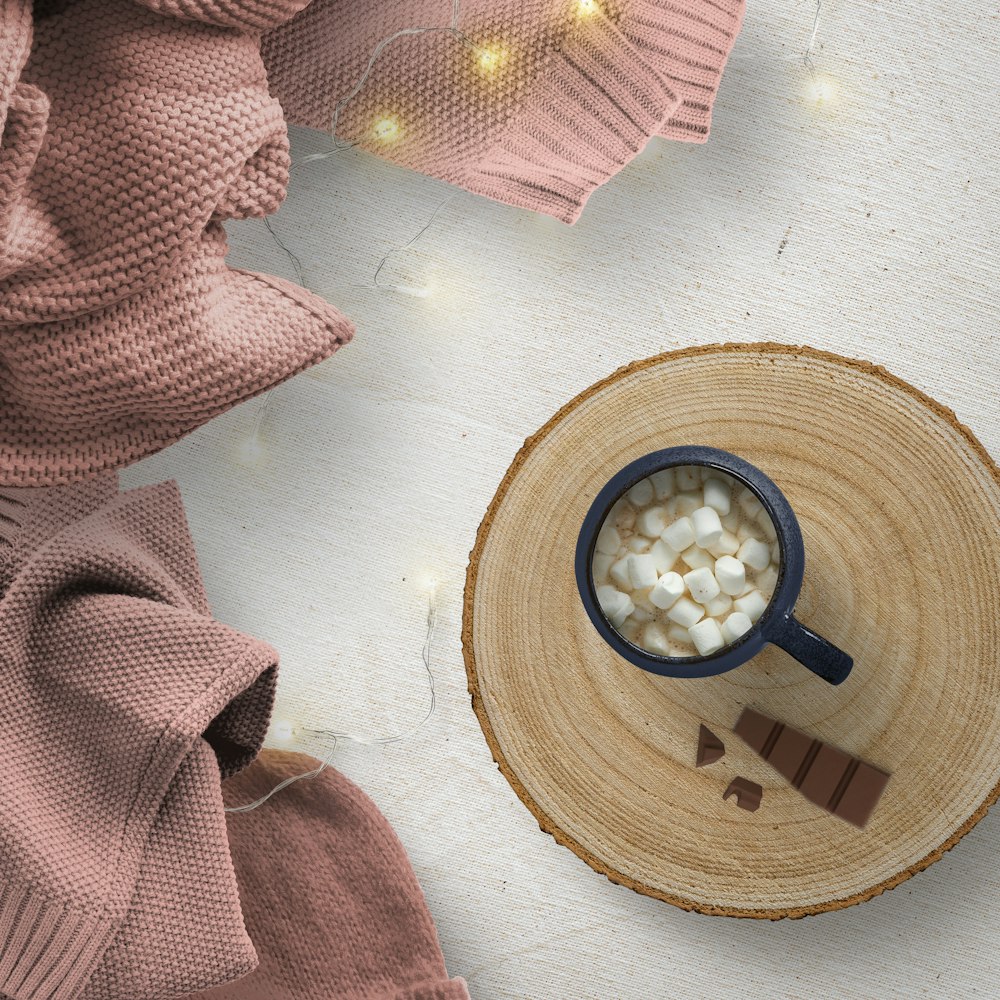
(688, 43)
(337, 911)
(113, 670)
(131, 135)
(536, 104)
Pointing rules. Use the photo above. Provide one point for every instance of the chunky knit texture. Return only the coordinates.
(124, 702)
(130, 133)
(336, 912)
(537, 104)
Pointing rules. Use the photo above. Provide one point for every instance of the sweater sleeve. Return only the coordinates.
(535, 105)
(688, 43)
(113, 669)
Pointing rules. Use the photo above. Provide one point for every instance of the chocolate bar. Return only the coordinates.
(748, 793)
(843, 785)
(710, 747)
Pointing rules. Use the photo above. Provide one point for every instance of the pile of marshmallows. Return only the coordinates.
(687, 558)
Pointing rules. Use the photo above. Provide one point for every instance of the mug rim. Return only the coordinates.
(790, 571)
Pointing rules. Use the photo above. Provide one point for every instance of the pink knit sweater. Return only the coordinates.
(536, 104)
(130, 133)
(124, 701)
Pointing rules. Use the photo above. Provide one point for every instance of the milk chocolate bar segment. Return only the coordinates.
(837, 782)
(710, 747)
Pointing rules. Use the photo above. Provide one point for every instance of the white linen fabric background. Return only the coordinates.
(866, 225)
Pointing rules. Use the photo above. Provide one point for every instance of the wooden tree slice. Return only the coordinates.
(900, 511)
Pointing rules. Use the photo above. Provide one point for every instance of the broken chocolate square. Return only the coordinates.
(710, 747)
(748, 793)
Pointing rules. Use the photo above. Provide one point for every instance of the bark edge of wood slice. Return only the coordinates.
(603, 753)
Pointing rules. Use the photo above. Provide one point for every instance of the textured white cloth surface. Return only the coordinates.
(866, 226)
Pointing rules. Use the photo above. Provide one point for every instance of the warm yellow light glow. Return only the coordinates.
(587, 8)
(282, 730)
(416, 291)
(387, 129)
(490, 59)
(822, 90)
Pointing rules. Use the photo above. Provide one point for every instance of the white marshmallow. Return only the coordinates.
(731, 574)
(755, 553)
(680, 534)
(630, 630)
(624, 520)
(642, 569)
(642, 493)
(664, 556)
(776, 554)
(727, 545)
(731, 521)
(655, 639)
(616, 605)
(735, 626)
(767, 526)
(707, 636)
(707, 526)
(744, 531)
(651, 522)
(608, 538)
(688, 503)
(752, 604)
(663, 483)
(688, 477)
(678, 634)
(702, 584)
(697, 558)
(620, 574)
(749, 503)
(667, 590)
(641, 615)
(685, 612)
(719, 605)
(640, 598)
(637, 544)
(601, 566)
(717, 495)
(766, 580)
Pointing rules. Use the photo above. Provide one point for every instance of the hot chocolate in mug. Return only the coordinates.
(660, 489)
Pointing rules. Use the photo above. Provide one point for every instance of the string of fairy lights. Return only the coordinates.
(386, 130)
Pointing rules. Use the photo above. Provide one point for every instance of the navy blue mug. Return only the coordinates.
(776, 625)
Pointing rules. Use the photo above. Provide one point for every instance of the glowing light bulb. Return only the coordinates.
(822, 90)
(387, 129)
(282, 730)
(490, 60)
(417, 291)
(251, 452)
(587, 8)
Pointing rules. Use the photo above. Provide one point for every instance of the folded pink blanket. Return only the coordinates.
(336, 912)
(130, 133)
(124, 703)
(536, 104)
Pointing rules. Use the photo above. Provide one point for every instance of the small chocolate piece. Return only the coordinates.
(837, 782)
(710, 747)
(748, 793)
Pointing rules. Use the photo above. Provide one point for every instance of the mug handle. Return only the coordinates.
(811, 650)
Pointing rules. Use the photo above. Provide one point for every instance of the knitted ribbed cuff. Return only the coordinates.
(47, 951)
(593, 108)
(688, 43)
(451, 989)
(255, 15)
